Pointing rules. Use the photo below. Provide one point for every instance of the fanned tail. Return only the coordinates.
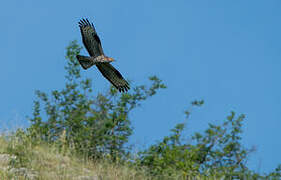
(85, 61)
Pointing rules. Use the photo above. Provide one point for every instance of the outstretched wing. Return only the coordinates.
(114, 76)
(90, 38)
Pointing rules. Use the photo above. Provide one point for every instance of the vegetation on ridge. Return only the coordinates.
(71, 129)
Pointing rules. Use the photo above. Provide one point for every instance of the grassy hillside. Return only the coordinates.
(20, 159)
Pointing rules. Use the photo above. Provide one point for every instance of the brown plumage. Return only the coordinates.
(93, 45)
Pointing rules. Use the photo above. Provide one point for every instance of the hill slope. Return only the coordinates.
(21, 160)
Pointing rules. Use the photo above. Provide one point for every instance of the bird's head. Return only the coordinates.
(110, 59)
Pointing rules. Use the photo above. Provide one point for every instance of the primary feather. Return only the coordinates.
(90, 38)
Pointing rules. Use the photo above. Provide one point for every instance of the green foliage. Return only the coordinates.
(99, 126)
(276, 174)
(216, 153)
(94, 125)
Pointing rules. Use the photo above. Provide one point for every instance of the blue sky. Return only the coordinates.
(225, 52)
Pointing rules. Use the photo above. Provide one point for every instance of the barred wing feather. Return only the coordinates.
(114, 76)
(90, 38)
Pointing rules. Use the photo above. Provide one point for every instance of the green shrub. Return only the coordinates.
(217, 153)
(97, 126)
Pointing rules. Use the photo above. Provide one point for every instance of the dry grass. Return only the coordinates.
(20, 160)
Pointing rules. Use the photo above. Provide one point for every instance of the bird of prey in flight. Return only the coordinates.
(93, 45)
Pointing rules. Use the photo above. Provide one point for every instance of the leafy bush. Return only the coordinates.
(217, 153)
(96, 126)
